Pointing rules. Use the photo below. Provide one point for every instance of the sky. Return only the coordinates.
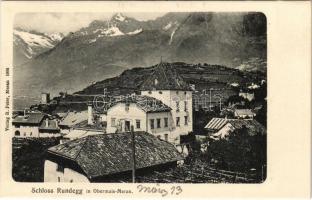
(67, 22)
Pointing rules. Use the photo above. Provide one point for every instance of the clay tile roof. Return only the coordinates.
(104, 154)
(73, 118)
(31, 118)
(164, 77)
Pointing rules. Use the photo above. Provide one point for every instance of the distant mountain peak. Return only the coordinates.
(28, 43)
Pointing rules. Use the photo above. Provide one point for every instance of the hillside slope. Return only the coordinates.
(105, 48)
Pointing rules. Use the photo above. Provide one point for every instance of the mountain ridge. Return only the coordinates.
(105, 49)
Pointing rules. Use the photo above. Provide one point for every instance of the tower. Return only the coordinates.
(166, 85)
(45, 98)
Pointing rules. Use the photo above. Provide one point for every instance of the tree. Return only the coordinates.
(239, 151)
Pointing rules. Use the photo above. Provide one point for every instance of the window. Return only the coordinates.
(185, 105)
(178, 121)
(138, 124)
(113, 122)
(17, 126)
(166, 121)
(30, 133)
(152, 123)
(17, 133)
(24, 134)
(60, 168)
(71, 180)
(158, 123)
(178, 106)
(185, 120)
(160, 92)
(58, 179)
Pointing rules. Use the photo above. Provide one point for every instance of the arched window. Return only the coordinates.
(17, 133)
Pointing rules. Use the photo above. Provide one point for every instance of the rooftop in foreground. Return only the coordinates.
(106, 154)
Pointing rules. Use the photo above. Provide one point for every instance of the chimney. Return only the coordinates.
(47, 123)
(90, 114)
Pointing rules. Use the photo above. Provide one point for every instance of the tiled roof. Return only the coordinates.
(73, 118)
(30, 118)
(217, 123)
(84, 125)
(104, 154)
(164, 77)
(146, 103)
(79, 133)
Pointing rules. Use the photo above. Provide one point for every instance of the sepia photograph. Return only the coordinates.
(176, 97)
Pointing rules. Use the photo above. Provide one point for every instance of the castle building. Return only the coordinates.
(45, 98)
(166, 85)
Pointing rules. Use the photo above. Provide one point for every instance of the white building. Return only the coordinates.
(35, 125)
(252, 127)
(166, 85)
(144, 114)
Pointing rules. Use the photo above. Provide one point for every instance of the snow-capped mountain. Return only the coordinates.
(105, 48)
(29, 44)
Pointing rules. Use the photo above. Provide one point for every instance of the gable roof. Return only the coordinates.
(73, 118)
(104, 154)
(253, 128)
(146, 103)
(216, 124)
(164, 77)
(30, 118)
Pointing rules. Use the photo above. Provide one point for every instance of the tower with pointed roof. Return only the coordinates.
(168, 86)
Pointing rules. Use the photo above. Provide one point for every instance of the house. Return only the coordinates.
(144, 114)
(71, 119)
(244, 114)
(252, 127)
(35, 124)
(49, 128)
(166, 85)
(27, 125)
(84, 129)
(107, 157)
(215, 124)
